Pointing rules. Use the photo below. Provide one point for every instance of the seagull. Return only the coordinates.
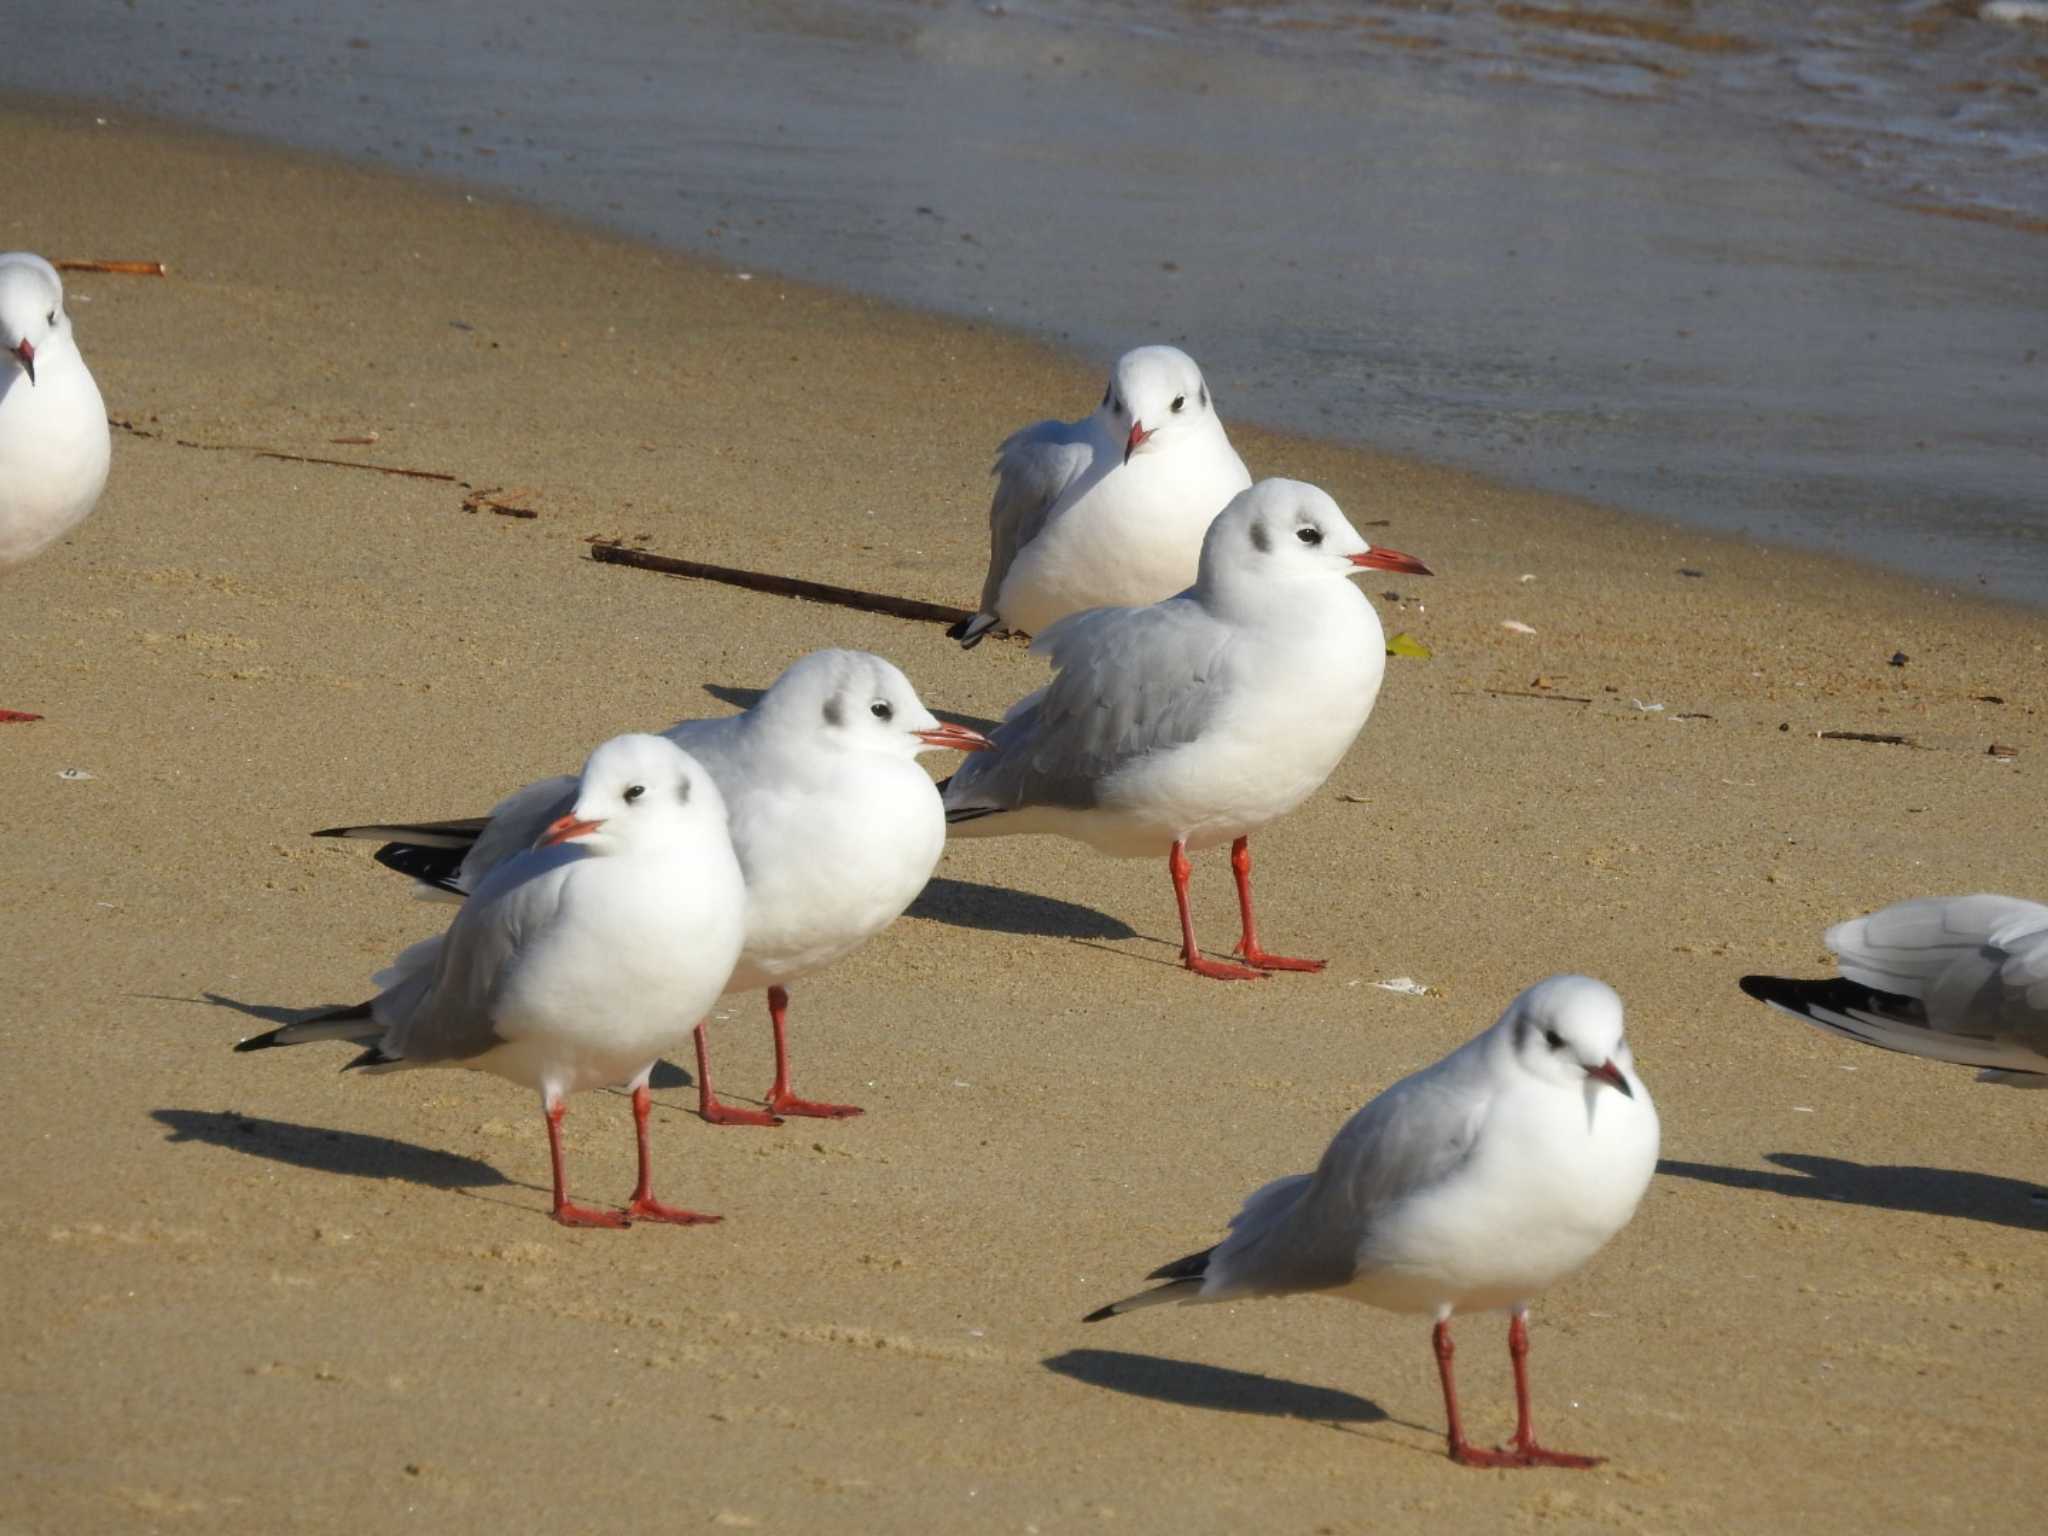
(1957, 978)
(836, 827)
(1468, 1186)
(54, 445)
(1110, 508)
(1202, 718)
(578, 961)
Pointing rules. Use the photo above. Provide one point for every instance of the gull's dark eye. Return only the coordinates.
(1117, 406)
(51, 317)
(1179, 401)
(880, 709)
(1553, 1039)
(1107, 393)
(635, 793)
(1309, 536)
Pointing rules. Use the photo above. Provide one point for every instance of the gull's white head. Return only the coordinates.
(1286, 531)
(853, 701)
(635, 790)
(1567, 1030)
(32, 318)
(1156, 398)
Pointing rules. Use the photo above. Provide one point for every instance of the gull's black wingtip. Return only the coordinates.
(262, 1042)
(1767, 989)
(1100, 1313)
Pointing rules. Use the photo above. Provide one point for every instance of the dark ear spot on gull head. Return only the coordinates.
(835, 712)
(1262, 541)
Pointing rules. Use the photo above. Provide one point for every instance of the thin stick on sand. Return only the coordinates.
(122, 268)
(307, 458)
(608, 553)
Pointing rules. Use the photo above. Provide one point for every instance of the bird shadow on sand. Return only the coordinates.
(747, 698)
(997, 909)
(1933, 1191)
(268, 1013)
(326, 1151)
(1212, 1386)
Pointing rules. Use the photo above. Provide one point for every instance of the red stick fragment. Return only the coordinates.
(120, 268)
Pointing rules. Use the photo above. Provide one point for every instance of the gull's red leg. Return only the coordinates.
(1190, 953)
(1523, 1451)
(643, 1206)
(1461, 1449)
(1248, 946)
(707, 1101)
(566, 1211)
(780, 1099)
(15, 716)
(1524, 1446)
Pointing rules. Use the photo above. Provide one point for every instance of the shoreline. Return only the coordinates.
(1078, 374)
(257, 1294)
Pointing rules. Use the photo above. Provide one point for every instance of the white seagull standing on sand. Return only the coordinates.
(836, 827)
(54, 445)
(1957, 978)
(578, 962)
(1468, 1186)
(1110, 508)
(1202, 718)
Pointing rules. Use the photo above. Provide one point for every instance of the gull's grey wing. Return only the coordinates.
(1129, 681)
(1979, 964)
(437, 1006)
(1954, 978)
(1033, 469)
(1305, 1233)
(515, 824)
(716, 743)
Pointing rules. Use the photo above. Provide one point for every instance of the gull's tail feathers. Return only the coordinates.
(342, 1024)
(1184, 1276)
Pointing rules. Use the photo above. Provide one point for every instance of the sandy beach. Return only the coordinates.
(252, 1294)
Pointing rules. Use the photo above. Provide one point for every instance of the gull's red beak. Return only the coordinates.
(1378, 559)
(954, 738)
(565, 828)
(27, 354)
(1608, 1072)
(1138, 439)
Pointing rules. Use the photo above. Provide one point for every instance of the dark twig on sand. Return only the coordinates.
(1882, 738)
(120, 268)
(278, 453)
(1524, 693)
(609, 553)
(307, 458)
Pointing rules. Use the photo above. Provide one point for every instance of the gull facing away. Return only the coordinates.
(1199, 719)
(1468, 1186)
(54, 445)
(579, 961)
(836, 827)
(1957, 978)
(1110, 508)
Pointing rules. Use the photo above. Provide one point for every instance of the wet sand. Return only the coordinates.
(251, 1294)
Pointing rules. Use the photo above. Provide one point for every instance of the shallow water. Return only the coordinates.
(1754, 265)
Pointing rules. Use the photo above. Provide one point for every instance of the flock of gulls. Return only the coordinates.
(602, 914)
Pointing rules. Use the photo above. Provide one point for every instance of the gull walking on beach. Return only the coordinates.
(836, 827)
(1468, 1186)
(1108, 509)
(1956, 978)
(54, 445)
(1198, 720)
(577, 962)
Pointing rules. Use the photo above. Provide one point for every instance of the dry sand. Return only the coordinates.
(250, 1294)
